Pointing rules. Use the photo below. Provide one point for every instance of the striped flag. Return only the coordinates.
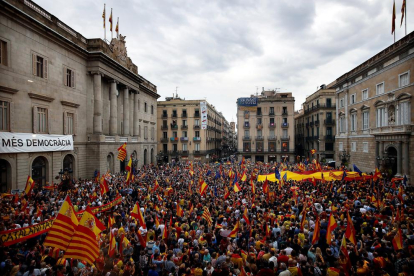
(29, 185)
(207, 216)
(180, 211)
(63, 226)
(136, 213)
(350, 230)
(397, 241)
(331, 226)
(84, 245)
(316, 231)
(104, 17)
(103, 186)
(203, 187)
(253, 187)
(122, 152)
(233, 233)
(246, 216)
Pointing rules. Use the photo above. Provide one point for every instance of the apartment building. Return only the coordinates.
(374, 126)
(265, 126)
(190, 130)
(315, 125)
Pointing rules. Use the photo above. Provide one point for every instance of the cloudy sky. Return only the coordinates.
(224, 49)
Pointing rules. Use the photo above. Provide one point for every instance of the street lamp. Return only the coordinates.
(344, 156)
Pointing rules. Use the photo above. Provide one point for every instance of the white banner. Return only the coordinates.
(28, 142)
(203, 108)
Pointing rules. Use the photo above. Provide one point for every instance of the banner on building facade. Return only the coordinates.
(203, 109)
(247, 102)
(29, 142)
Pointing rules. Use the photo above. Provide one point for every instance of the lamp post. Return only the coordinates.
(65, 177)
(344, 157)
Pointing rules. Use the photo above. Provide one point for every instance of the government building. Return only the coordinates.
(374, 125)
(191, 130)
(265, 127)
(67, 103)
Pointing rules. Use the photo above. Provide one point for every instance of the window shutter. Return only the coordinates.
(49, 122)
(34, 65)
(35, 119)
(65, 79)
(65, 123)
(45, 68)
(75, 123)
(73, 78)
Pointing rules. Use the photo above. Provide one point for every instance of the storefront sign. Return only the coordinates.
(28, 142)
(204, 121)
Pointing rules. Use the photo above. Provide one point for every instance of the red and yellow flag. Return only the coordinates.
(103, 186)
(252, 185)
(266, 187)
(350, 230)
(104, 17)
(331, 226)
(397, 242)
(122, 152)
(207, 216)
(316, 231)
(233, 233)
(180, 211)
(226, 193)
(128, 168)
(203, 187)
(136, 213)
(63, 227)
(403, 7)
(110, 21)
(117, 27)
(112, 244)
(393, 18)
(313, 151)
(29, 185)
(84, 245)
(246, 216)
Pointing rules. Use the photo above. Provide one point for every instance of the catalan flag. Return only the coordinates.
(63, 227)
(84, 245)
(122, 152)
(233, 233)
(136, 213)
(207, 216)
(29, 185)
(331, 226)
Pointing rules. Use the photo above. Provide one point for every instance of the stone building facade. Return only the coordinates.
(315, 125)
(182, 135)
(374, 126)
(265, 127)
(54, 81)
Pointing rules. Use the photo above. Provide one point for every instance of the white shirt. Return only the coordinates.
(274, 260)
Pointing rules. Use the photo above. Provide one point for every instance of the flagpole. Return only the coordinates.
(112, 33)
(405, 17)
(117, 24)
(105, 22)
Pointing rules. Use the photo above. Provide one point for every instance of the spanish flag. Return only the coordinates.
(236, 186)
(180, 211)
(136, 213)
(313, 151)
(63, 227)
(129, 169)
(302, 221)
(331, 226)
(233, 233)
(316, 231)
(226, 193)
(122, 151)
(244, 176)
(157, 222)
(393, 19)
(111, 221)
(203, 187)
(84, 245)
(350, 230)
(29, 185)
(156, 185)
(246, 216)
(104, 17)
(103, 186)
(397, 242)
(117, 28)
(110, 21)
(252, 185)
(266, 187)
(112, 244)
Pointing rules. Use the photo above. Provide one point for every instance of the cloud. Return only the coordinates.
(223, 50)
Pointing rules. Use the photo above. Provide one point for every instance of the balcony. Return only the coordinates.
(271, 114)
(184, 152)
(173, 152)
(246, 125)
(284, 113)
(317, 123)
(309, 138)
(271, 138)
(259, 126)
(318, 106)
(392, 129)
(174, 126)
(174, 139)
(311, 124)
(164, 140)
(285, 138)
(259, 114)
(246, 138)
(184, 115)
(329, 137)
(329, 122)
(184, 139)
(196, 127)
(196, 152)
(196, 114)
(259, 138)
(259, 149)
(285, 125)
(196, 138)
(174, 115)
(272, 125)
(184, 127)
(315, 138)
(164, 127)
(164, 115)
(272, 150)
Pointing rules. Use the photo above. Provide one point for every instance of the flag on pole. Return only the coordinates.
(331, 226)
(104, 16)
(316, 231)
(112, 244)
(246, 216)
(266, 187)
(128, 168)
(103, 186)
(29, 185)
(226, 193)
(313, 151)
(207, 216)
(117, 28)
(233, 233)
(63, 227)
(253, 187)
(357, 170)
(110, 21)
(393, 19)
(136, 213)
(402, 12)
(397, 241)
(180, 211)
(203, 187)
(122, 152)
(350, 231)
(236, 186)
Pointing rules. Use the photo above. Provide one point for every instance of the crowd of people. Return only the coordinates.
(275, 233)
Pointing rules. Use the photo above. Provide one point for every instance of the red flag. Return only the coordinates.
(393, 18)
(331, 226)
(266, 187)
(403, 12)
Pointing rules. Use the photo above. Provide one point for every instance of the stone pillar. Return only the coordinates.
(399, 158)
(131, 114)
(126, 111)
(98, 105)
(136, 114)
(406, 160)
(377, 153)
(113, 117)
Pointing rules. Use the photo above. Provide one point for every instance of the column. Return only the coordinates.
(97, 106)
(136, 114)
(126, 111)
(399, 158)
(131, 114)
(113, 118)
(406, 160)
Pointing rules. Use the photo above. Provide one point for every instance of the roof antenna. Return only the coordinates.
(176, 93)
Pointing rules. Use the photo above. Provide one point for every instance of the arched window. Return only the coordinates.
(39, 170)
(145, 156)
(5, 176)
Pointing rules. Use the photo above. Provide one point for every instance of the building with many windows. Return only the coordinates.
(374, 126)
(67, 103)
(315, 125)
(265, 126)
(189, 130)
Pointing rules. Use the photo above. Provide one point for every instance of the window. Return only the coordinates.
(272, 111)
(246, 146)
(41, 120)
(145, 107)
(285, 133)
(175, 147)
(69, 123)
(259, 133)
(139, 130)
(365, 146)
(328, 102)
(380, 88)
(342, 124)
(272, 146)
(39, 66)
(165, 135)
(341, 102)
(165, 147)
(272, 133)
(152, 109)
(404, 113)
(164, 113)
(68, 77)
(246, 133)
(272, 121)
(329, 131)
(341, 146)
(284, 110)
(259, 111)
(381, 117)
(197, 122)
(352, 99)
(353, 146)
(404, 79)
(365, 120)
(259, 121)
(3, 53)
(184, 147)
(4, 116)
(197, 134)
(364, 94)
(145, 132)
(175, 134)
(152, 133)
(353, 122)
(259, 146)
(184, 122)
(184, 134)
(197, 146)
